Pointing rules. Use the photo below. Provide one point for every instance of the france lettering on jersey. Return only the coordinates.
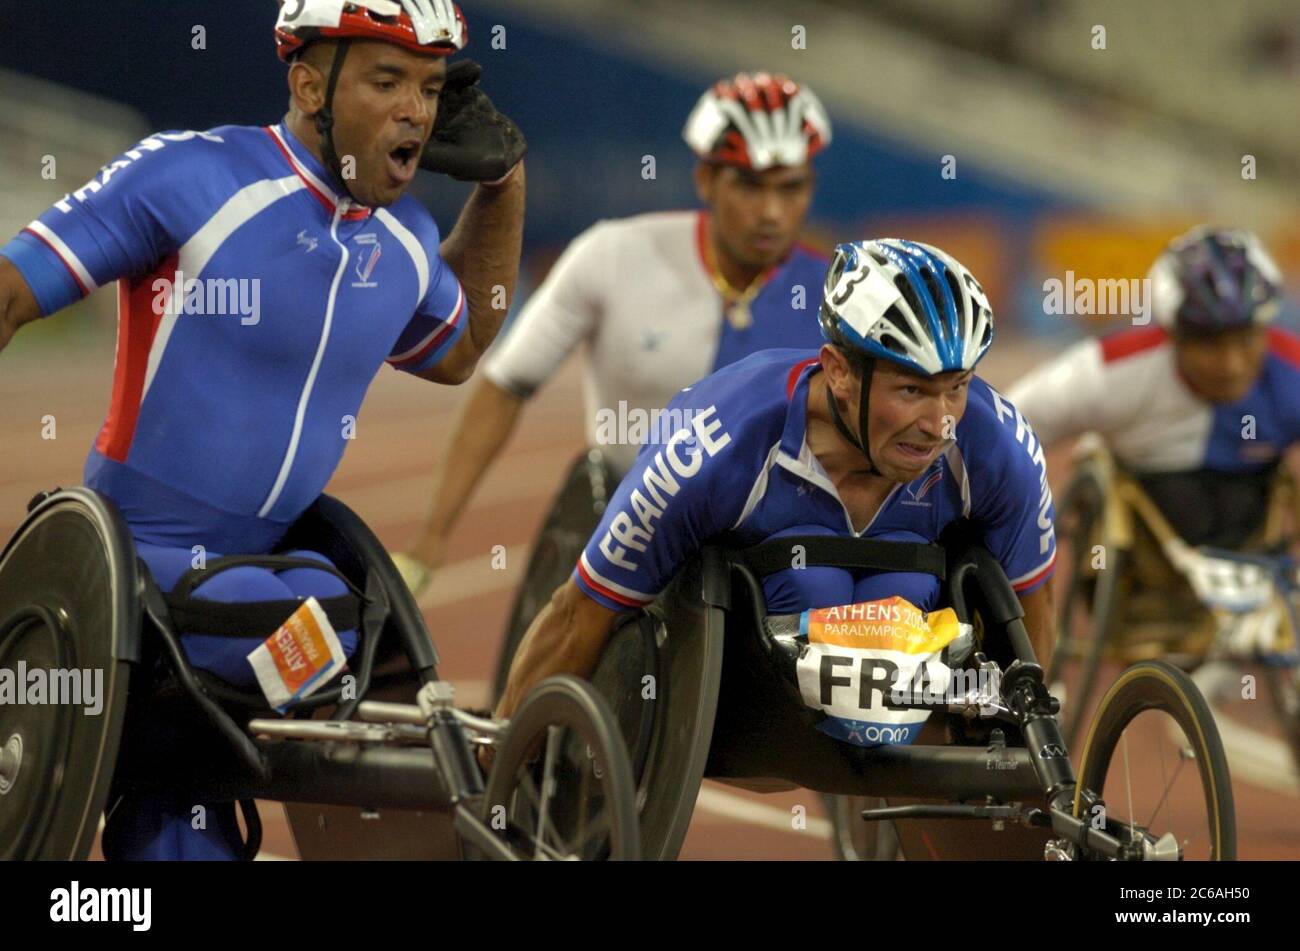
(742, 468)
(1127, 388)
(638, 293)
(254, 308)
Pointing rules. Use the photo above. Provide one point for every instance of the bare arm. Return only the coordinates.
(567, 637)
(486, 421)
(1040, 622)
(17, 303)
(483, 252)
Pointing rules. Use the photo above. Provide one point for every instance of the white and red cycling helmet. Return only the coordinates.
(757, 121)
(431, 27)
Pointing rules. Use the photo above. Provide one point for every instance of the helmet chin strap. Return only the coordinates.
(325, 122)
(843, 428)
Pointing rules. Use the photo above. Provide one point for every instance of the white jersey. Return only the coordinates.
(636, 291)
(1127, 388)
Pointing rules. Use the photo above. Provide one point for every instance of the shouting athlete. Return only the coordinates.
(223, 428)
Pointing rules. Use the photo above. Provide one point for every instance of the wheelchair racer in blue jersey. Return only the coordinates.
(264, 277)
(884, 433)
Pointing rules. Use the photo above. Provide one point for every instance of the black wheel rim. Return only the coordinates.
(1155, 783)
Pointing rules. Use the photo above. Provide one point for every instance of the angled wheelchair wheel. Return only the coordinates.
(1089, 605)
(574, 515)
(1154, 757)
(561, 780)
(69, 624)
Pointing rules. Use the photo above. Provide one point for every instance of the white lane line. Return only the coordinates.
(1257, 758)
(1254, 757)
(739, 809)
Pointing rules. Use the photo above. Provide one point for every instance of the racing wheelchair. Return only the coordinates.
(74, 596)
(1136, 591)
(703, 684)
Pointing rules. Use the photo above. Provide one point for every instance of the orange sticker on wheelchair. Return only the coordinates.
(298, 649)
(893, 624)
(301, 656)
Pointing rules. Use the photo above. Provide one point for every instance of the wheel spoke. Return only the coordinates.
(1169, 783)
(529, 788)
(550, 753)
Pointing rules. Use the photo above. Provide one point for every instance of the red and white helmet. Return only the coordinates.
(758, 121)
(431, 27)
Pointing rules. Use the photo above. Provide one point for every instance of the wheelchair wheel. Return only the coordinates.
(574, 515)
(855, 840)
(68, 620)
(1088, 606)
(1154, 757)
(561, 780)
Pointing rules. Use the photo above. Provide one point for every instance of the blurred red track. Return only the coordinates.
(385, 476)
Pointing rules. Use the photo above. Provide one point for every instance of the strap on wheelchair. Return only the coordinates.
(255, 618)
(775, 555)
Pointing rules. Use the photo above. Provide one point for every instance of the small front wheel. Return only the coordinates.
(1155, 759)
(855, 840)
(561, 783)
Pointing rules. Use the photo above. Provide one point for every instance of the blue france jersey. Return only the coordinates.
(739, 465)
(255, 307)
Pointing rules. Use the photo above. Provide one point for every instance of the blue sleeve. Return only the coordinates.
(683, 490)
(121, 223)
(1010, 498)
(440, 317)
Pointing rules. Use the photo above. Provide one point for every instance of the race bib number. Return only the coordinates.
(299, 658)
(866, 662)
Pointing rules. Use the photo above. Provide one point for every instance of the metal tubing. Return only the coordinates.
(950, 772)
(341, 774)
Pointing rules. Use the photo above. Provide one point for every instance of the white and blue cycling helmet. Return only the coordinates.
(906, 302)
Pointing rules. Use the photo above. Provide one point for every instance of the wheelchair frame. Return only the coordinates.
(402, 756)
(1115, 514)
(723, 711)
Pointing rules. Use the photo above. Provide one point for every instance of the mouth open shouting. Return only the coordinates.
(403, 160)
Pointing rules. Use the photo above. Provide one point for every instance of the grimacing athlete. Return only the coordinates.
(883, 433)
(223, 430)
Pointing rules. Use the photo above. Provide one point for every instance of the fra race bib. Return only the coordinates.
(866, 661)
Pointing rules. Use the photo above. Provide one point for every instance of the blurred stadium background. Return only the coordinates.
(1068, 157)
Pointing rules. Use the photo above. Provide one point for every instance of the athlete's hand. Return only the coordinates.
(415, 573)
(471, 141)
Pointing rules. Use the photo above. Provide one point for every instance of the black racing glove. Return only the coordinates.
(471, 141)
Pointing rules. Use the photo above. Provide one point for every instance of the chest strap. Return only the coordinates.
(777, 554)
